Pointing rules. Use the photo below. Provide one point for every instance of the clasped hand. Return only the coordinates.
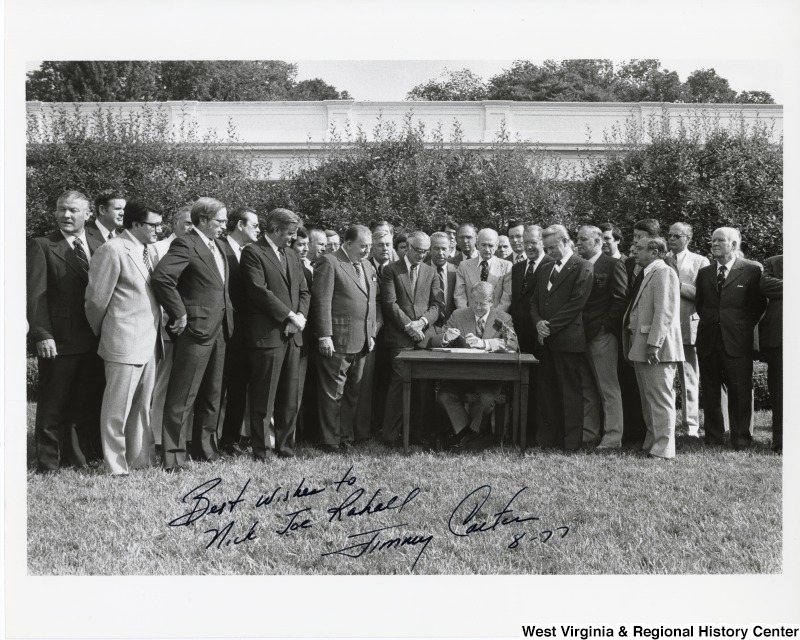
(415, 330)
(474, 341)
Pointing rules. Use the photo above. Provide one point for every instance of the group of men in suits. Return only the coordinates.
(275, 316)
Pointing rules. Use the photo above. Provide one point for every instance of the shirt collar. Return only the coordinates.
(728, 266)
(485, 317)
(408, 263)
(567, 255)
(71, 239)
(237, 248)
(102, 228)
(272, 244)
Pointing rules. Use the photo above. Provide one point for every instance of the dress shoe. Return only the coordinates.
(285, 454)
(346, 446)
(176, 469)
(264, 456)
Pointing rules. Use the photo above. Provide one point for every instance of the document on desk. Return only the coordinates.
(458, 350)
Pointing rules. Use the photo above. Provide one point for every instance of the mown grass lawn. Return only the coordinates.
(711, 510)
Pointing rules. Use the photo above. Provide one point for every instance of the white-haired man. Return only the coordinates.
(487, 267)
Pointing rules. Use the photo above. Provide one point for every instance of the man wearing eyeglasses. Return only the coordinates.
(680, 235)
(412, 303)
(122, 309)
(191, 283)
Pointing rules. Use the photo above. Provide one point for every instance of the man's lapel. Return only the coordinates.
(138, 261)
(736, 271)
(201, 247)
(565, 271)
(60, 247)
(645, 280)
(405, 278)
(349, 269)
(273, 257)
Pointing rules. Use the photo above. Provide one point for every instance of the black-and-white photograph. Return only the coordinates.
(491, 315)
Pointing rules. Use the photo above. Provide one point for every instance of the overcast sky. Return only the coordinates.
(387, 80)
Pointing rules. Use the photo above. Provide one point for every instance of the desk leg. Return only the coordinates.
(523, 405)
(406, 404)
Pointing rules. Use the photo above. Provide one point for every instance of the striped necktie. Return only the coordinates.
(80, 254)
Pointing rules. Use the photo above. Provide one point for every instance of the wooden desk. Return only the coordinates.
(440, 365)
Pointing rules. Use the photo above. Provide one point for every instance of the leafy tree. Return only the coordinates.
(705, 85)
(565, 81)
(755, 97)
(204, 80)
(644, 81)
(450, 85)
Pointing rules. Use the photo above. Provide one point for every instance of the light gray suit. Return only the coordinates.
(468, 275)
(689, 371)
(123, 311)
(655, 321)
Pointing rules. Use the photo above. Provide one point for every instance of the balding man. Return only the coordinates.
(730, 304)
(689, 264)
(466, 235)
(344, 315)
(412, 302)
(378, 362)
(478, 327)
(602, 318)
(487, 267)
(557, 306)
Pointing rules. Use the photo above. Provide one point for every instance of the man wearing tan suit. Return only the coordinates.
(652, 342)
(344, 315)
(487, 267)
(680, 235)
(123, 311)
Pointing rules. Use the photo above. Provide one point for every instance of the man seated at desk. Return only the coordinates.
(479, 327)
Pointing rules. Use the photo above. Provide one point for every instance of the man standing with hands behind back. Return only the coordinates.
(191, 283)
(343, 312)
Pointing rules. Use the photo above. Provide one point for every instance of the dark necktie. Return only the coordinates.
(282, 256)
(440, 271)
(480, 326)
(637, 284)
(360, 274)
(484, 271)
(529, 271)
(380, 270)
(413, 275)
(80, 254)
(553, 275)
(721, 278)
(146, 259)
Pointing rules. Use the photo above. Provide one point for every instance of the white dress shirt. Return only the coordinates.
(237, 248)
(79, 238)
(107, 235)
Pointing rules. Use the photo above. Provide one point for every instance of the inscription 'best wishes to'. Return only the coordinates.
(235, 521)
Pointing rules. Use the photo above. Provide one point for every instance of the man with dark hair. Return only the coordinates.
(516, 229)
(110, 206)
(466, 236)
(242, 230)
(412, 302)
(191, 283)
(556, 306)
(652, 341)
(689, 264)
(123, 311)
(344, 314)
(602, 318)
(523, 284)
(450, 228)
(770, 333)
(730, 304)
(635, 429)
(181, 225)
(67, 428)
(612, 237)
(276, 311)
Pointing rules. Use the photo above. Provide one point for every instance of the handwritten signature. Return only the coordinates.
(470, 517)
